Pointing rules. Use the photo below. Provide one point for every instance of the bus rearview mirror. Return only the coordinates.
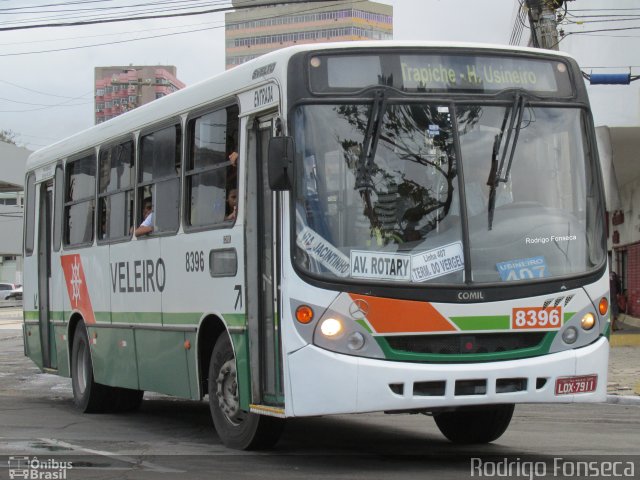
(281, 154)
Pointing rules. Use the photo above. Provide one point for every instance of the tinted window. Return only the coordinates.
(115, 196)
(79, 209)
(211, 177)
(81, 179)
(30, 217)
(58, 208)
(159, 177)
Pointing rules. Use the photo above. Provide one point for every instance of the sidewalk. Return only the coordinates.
(629, 333)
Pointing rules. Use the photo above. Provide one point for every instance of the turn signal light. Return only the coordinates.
(603, 307)
(304, 314)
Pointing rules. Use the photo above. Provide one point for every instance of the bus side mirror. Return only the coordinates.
(281, 154)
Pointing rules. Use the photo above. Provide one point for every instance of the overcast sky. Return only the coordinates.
(48, 96)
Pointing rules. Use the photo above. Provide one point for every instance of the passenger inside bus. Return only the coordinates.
(146, 227)
(232, 204)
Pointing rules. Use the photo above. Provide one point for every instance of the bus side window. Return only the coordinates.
(115, 191)
(30, 216)
(211, 173)
(79, 206)
(58, 207)
(159, 177)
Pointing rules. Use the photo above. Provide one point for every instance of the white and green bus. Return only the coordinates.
(419, 228)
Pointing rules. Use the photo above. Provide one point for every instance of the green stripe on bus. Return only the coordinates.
(364, 325)
(54, 316)
(135, 317)
(235, 319)
(181, 318)
(490, 322)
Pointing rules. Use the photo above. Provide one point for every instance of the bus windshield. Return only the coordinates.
(384, 194)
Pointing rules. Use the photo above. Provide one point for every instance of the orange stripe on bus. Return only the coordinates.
(77, 286)
(388, 315)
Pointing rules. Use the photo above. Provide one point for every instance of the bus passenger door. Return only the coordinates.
(263, 220)
(45, 214)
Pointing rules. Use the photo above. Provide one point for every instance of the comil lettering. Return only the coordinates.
(470, 296)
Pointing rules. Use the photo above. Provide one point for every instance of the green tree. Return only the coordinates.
(8, 136)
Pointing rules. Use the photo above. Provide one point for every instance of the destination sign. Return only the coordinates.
(486, 73)
(429, 72)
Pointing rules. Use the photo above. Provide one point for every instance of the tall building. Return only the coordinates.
(12, 165)
(253, 32)
(120, 89)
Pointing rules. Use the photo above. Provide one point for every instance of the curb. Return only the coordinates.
(2, 339)
(623, 400)
(629, 320)
(624, 339)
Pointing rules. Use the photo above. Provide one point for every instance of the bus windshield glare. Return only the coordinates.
(379, 189)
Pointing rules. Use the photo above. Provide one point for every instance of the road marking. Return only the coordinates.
(115, 456)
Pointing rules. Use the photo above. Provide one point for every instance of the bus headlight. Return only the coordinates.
(588, 321)
(338, 333)
(331, 327)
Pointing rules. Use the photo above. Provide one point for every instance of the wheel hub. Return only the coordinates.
(227, 391)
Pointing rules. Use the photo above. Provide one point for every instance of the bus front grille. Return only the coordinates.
(461, 344)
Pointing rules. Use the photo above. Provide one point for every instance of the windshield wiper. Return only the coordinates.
(364, 182)
(514, 115)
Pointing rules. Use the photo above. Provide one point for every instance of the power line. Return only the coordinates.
(77, 47)
(107, 43)
(118, 34)
(44, 105)
(602, 30)
(146, 17)
(40, 92)
(603, 9)
(108, 15)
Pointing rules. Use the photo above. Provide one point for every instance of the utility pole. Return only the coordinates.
(544, 27)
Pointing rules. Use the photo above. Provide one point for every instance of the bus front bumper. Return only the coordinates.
(322, 382)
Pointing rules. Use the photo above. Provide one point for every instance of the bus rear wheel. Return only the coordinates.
(481, 424)
(88, 396)
(237, 428)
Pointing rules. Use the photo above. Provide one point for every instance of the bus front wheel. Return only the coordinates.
(236, 428)
(481, 424)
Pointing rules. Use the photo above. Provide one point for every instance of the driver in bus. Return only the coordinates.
(146, 227)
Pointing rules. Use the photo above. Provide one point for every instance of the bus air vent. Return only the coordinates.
(429, 389)
(510, 385)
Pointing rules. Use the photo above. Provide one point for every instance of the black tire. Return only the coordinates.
(88, 396)
(236, 428)
(482, 424)
(127, 400)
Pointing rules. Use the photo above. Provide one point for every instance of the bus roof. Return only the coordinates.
(224, 85)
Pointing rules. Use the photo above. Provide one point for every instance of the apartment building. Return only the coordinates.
(119, 89)
(251, 32)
